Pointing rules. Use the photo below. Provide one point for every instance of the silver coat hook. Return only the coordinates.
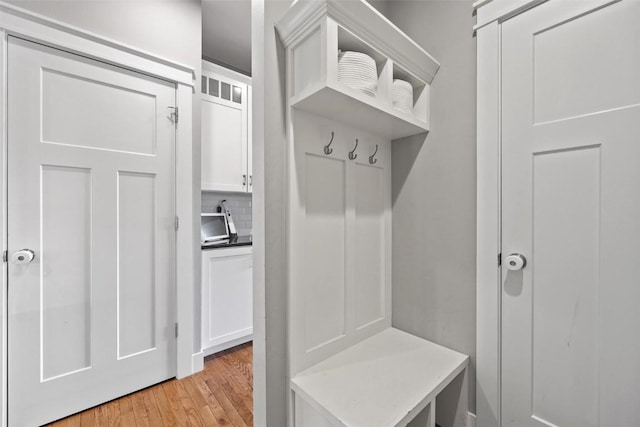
(371, 157)
(352, 155)
(327, 148)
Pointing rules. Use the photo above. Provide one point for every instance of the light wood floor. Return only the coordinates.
(221, 395)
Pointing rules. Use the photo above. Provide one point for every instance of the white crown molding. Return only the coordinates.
(301, 16)
(489, 11)
(365, 22)
(23, 23)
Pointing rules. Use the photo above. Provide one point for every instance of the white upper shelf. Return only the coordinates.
(314, 31)
(363, 20)
(344, 104)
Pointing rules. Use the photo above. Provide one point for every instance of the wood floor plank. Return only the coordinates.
(108, 415)
(193, 415)
(217, 385)
(219, 396)
(126, 412)
(247, 352)
(73, 421)
(194, 392)
(100, 413)
(88, 418)
(234, 385)
(239, 369)
(152, 408)
(207, 417)
(216, 408)
(246, 355)
(140, 410)
(175, 403)
(239, 365)
(168, 417)
(246, 412)
(238, 383)
(200, 402)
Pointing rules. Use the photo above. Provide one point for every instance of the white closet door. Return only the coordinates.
(571, 206)
(91, 193)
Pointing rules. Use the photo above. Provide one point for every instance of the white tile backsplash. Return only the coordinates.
(238, 203)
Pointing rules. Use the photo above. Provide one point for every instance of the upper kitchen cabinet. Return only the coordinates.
(325, 41)
(225, 98)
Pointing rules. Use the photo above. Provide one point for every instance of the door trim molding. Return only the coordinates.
(489, 11)
(30, 26)
(488, 246)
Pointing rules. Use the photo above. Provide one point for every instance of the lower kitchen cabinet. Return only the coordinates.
(227, 298)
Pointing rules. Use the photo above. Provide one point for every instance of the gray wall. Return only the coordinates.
(226, 33)
(381, 5)
(434, 196)
(171, 29)
(168, 28)
(269, 197)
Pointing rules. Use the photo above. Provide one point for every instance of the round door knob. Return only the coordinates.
(24, 256)
(516, 262)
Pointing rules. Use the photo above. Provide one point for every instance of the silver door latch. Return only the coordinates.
(516, 262)
(23, 256)
(174, 115)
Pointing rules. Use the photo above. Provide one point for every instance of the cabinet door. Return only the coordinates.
(224, 121)
(227, 306)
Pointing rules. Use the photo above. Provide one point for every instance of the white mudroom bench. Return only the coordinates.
(383, 381)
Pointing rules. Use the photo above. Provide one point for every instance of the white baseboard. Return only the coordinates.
(197, 362)
(228, 344)
(471, 419)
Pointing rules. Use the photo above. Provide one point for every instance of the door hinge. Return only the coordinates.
(174, 116)
(5, 256)
(177, 223)
(176, 329)
(499, 259)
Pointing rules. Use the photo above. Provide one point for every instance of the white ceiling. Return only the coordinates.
(226, 33)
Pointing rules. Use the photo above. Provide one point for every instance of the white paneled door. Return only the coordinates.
(571, 207)
(91, 196)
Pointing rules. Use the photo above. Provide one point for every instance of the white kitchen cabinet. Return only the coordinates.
(227, 298)
(225, 99)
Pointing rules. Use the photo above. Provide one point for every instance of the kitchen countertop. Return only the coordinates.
(230, 243)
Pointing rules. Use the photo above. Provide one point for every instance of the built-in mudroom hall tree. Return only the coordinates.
(355, 83)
